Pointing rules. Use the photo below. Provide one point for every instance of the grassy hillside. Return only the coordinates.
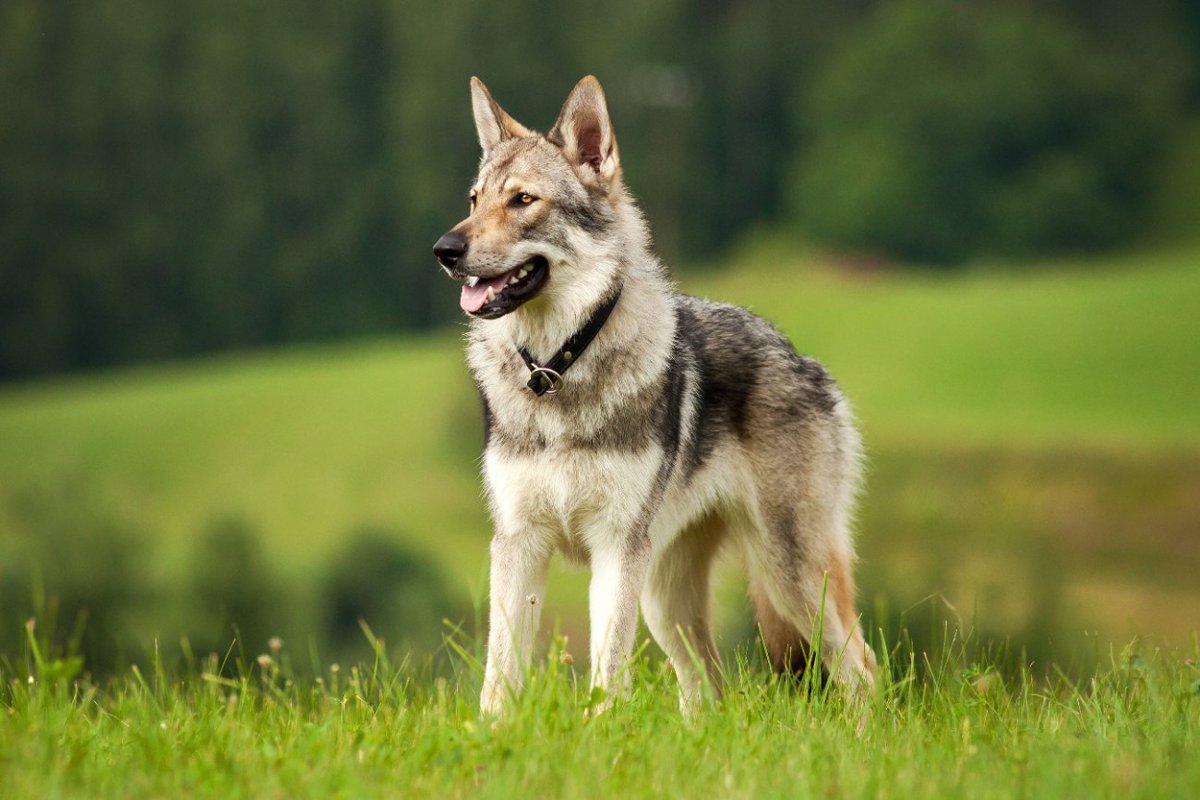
(305, 443)
(1027, 429)
(1084, 353)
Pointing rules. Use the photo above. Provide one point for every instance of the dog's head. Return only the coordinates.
(540, 207)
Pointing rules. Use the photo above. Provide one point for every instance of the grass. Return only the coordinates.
(948, 729)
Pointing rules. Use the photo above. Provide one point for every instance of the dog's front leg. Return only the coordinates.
(618, 575)
(518, 586)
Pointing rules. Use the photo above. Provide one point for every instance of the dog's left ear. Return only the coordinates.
(492, 123)
(584, 132)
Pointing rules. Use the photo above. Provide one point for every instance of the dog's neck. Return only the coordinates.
(542, 325)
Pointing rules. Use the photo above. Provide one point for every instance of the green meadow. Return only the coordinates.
(1032, 508)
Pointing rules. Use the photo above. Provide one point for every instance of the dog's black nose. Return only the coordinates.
(449, 249)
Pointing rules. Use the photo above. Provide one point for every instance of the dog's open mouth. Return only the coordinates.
(495, 297)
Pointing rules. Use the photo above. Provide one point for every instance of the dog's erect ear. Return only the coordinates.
(585, 133)
(491, 122)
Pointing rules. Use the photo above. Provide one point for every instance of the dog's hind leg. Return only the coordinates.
(803, 592)
(791, 613)
(786, 647)
(675, 604)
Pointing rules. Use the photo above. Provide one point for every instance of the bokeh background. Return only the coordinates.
(232, 398)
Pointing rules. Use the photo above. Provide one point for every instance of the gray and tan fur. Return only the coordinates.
(687, 427)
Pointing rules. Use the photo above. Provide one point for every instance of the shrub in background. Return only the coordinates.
(233, 591)
(81, 571)
(88, 579)
(399, 592)
(944, 130)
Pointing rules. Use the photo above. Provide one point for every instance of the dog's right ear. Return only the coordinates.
(491, 122)
(585, 134)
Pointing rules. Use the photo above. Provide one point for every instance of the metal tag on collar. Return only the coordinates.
(543, 380)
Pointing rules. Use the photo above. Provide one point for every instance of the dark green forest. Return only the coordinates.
(186, 177)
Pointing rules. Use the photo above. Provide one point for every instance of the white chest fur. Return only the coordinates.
(579, 498)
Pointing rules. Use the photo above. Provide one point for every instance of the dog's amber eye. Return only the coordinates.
(471, 198)
(522, 199)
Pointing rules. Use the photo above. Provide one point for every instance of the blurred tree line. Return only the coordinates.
(192, 176)
(85, 577)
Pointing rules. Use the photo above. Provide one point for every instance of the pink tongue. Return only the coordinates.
(475, 297)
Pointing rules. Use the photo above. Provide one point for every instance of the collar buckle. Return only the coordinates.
(543, 380)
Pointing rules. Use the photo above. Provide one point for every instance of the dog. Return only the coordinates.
(639, 430)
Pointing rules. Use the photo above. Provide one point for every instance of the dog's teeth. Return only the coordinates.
(522, 273)
(490, 296)
(471, 281)
(513, 280)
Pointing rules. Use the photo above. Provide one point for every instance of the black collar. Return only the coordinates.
(547, 378)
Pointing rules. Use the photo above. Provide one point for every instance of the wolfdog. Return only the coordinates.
(639, 430)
